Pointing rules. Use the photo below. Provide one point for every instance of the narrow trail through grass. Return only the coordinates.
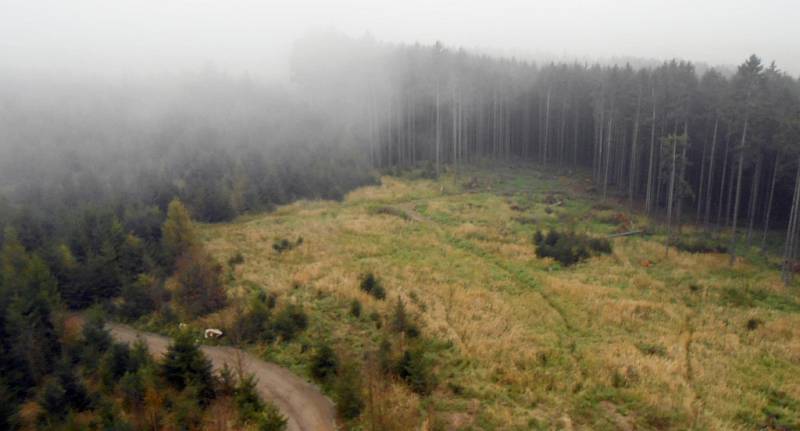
(520, 276)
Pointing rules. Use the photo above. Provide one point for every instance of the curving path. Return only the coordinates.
(305, 407)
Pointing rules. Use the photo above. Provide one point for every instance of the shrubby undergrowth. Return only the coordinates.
(569, 248)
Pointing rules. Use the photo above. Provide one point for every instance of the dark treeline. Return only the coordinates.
(718, 149)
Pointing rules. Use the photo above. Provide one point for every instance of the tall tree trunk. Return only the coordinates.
(710, 181)
(723, 178)
(754, 192)
(438, 132)
(608, 154)
(547, 126)
(738, 191)
(670, 192)
(650, 174)
(775, 168)
(681, 175)
(791, 230)
(633, 165)
(702, 190)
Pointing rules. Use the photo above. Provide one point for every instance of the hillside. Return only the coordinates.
(631, 340)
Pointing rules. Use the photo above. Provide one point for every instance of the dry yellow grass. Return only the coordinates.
(635, 336)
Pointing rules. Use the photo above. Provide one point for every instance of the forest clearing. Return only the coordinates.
(636, 339)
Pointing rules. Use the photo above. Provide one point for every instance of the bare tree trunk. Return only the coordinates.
(769, 201)
(722, 183)
(547, 126)
(738, 192)
(670, 192)
(649, 197)
(574, 134)
(679, 215)
(608, 154)
(791, 230)
(711, 173)
(702, 190)
(633, 165)
(754, 192)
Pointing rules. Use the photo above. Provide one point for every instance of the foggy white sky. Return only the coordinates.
(101, 36)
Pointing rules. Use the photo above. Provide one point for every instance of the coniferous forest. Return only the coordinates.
(99, 180)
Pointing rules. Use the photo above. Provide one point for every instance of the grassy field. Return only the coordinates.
(632, 340)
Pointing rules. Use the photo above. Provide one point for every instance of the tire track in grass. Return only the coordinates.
(520, 277)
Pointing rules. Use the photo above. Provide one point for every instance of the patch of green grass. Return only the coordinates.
(755, 297)
(388, 210)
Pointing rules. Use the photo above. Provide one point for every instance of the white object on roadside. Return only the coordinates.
(212, 333)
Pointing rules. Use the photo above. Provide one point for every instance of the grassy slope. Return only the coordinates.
(634, 339)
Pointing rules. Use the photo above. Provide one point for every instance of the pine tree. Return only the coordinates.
(177, 234)
(185, 365)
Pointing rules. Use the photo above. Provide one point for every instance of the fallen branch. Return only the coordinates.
(633, 232)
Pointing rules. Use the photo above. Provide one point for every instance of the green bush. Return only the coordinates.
(137, 298)
(569, 248)
(415, 370)
(271, 419)
(254, 324)
(289, 322)
(698, 245)
(281, 245)
(355, 308)
(371, 285)
(185, 365)
(248, 402)
(324, 363)
(347, 392)
(236, 259)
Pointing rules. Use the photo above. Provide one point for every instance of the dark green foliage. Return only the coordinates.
(289, 322)
(347, 392)
(96, 339)
(371, 285)
(132, 387)
(355, 308)
(114, 364)
(324, 363)
(753, 324)
(400, 321)
(8, 407)
(387, 210)
(252, 409)
(271, 419)
(271, 300)
(414, 369)
(254, 325)
(185, 365)
(74, 390)
(53, 399)
(652, 349)
(758, 297)
(248, 402)
(236, 259)
(187, 408)
(32, 334)
(199, 277)
(226, 381)
(569, 248)
(283, 244)
(138, 298)
(698, 245)
(384, 357)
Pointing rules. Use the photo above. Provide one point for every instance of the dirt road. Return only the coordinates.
(305, 407)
